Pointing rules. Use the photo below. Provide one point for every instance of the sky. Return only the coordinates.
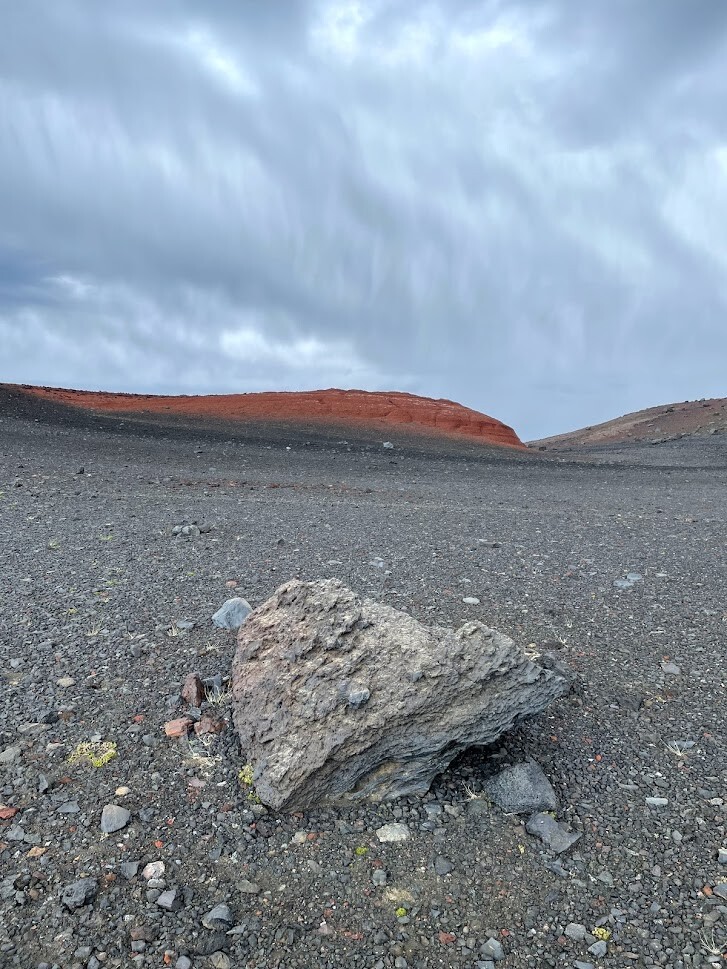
(520, 205)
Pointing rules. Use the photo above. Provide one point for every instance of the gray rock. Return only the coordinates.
(657, 802)
(395, 831)
(522, 789)
(720, 890)
(183, 962)
(442, 866)
(722, 856)
(433, 692)
(9, 755)
(379, 877)
(232, 614)
(492, 950)
(79, 893)
(220, 917)
(556, 836)
(598, 949)
(247, 887)
(671, 669)
(128, 869)
(170, 900)
(575, 931)
(579, 964)
(114, 818)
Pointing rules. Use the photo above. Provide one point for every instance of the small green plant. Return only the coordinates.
(400, 912)
(361, 851)
(96, 754)
(245, 777)
(603, 934)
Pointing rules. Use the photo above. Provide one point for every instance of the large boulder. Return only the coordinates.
(340, 699)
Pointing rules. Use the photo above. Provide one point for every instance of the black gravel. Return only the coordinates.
(97, 598)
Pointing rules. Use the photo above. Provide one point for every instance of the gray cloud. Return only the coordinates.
(512, 204)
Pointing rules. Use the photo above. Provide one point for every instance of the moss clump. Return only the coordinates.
(97, 754)
(400, 912)
(245, 777)
(361, 851)
(603, 934)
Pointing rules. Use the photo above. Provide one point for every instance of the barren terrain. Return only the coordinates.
(103, 611)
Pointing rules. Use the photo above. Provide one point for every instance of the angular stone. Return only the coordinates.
(305, 656)
(170, 900)
(575, 931)
(392, 832)
(220, 917)
(114, 818)
(492, 949)
(522, 789)
(79, 893)
(556, 836)
(232, 614)
(193, 690)
(178, 728)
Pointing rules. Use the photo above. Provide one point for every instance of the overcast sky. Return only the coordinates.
(520, 205)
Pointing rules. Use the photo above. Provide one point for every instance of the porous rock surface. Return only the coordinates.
(338, 698)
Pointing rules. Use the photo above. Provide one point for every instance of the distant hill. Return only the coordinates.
(380, 412)
(655, 425)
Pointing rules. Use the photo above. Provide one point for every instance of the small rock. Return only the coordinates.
(122, 791)
(720, 890)
(722, 856)
(598, 949)
(220, 917)
(220, 960)
(193, 690)
(492, 949)
(522, 788)
(583, 965)
(392, 832)
(471, 600)
(232, 614)
(9, 755)
(575, 931)
(379, 877)
(388, 445)
(671, 669)
(657, 802)
(208, 725)
(114, 818)
(128, 869)
(554, 835)
(183, 963)
(178, 728)
(79, 893)
(155, 869)
(248, 887)
(442, 866)
(66, 681)
(170, 900)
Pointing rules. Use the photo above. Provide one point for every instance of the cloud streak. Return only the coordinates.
(514, 205)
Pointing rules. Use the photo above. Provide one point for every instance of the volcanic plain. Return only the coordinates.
(122, 534)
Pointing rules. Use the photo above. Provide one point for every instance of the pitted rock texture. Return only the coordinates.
(337, 698)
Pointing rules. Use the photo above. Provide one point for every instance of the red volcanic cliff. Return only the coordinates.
(375, 410)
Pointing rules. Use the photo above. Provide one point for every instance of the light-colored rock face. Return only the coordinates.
(338, 698)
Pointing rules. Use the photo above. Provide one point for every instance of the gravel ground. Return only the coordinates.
(103, 612)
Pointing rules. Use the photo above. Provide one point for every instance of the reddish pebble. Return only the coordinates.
(178, 728)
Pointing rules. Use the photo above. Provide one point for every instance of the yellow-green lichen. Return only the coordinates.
(97, 754)
(246, 778)
(361, 851)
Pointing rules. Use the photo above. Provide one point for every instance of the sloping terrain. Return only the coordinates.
(655, 425)
(106, 605)
(334, 409)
